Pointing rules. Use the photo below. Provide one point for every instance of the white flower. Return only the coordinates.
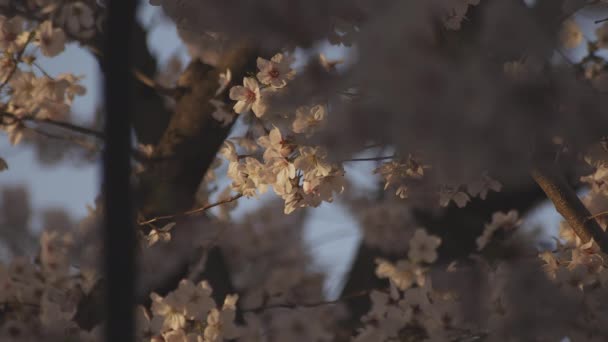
(402, 191)
(588, 257)
(220, 324)
(247, 143)
(404, 274)
(10, 31)
(446, 195)
(309, 119)
(551, 263)
(50, 97)
(482, 186)
(146, 328)
(500, 220)
(570, 34)
(15, 132)
(324, 188)
(228, 151)
(78, 19)
(276, 71)
(196, 299)
(163, 234)
(423, 247)
(248, 176)
(224, 81)
(180, 336)
(602, 36)
(598, 180)
(171, 309)
(329, 65)
(292, 202)
(400, 173)
(280, 174)
(54, 249)
(312, 162)
(276, 146)
(248, 97)
(72, 88)
(50, 39)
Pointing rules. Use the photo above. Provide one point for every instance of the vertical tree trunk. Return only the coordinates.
(119, 233)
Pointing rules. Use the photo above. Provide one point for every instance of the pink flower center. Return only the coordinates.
(250, 96)
(274, 73)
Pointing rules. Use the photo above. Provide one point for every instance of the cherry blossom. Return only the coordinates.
(505, 221)
(248, 97)
(482, 186)
(78, 19)
(311, 162)
(276, 146)
(423, 247)
(602, 36)
(308, 120)
(51, 39)
(220, 323)
(11, 33)
(570, 35)
(403, 274)
(276, 71)
(447, 195)
(171, 308)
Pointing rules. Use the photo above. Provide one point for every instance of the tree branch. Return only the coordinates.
(191, 212)
(17, 60)
(56, 123)
(568, 204)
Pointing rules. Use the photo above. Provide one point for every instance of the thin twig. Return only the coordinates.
(369, 159)
(44, 72)
(17, 60)
(137, 155)
(71, 139)
(596, 215)
(56, 123)
(192, 211)
(147, 81)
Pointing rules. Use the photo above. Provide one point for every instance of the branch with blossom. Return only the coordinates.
(195, 211)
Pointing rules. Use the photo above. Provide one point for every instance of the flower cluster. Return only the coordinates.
(44, 293)
(188, 314)
(300, 174)
(406, 273)
(32, 92)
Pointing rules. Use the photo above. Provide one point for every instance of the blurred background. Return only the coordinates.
(50, 184)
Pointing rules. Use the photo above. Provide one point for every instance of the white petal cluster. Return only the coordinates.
(190, 305)
(301, 175)
(276, 71)
(500, 221)
(51, 39)
(423, 247)
(400, 173)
